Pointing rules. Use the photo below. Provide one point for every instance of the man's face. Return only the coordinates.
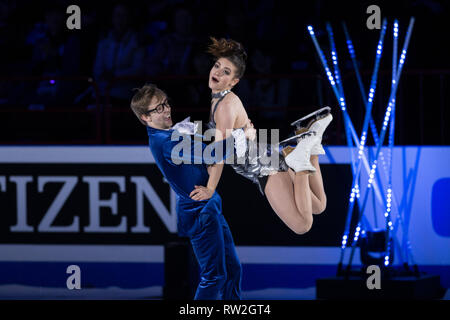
(159, 120)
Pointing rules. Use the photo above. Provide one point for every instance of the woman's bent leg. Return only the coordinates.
(291, 201)
(318, 196)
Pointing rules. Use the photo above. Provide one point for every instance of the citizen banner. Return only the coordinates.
(117, 195)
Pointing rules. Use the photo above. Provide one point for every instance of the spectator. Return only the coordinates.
(155, 26)
(10, 38)
(172, 52)
(57, 53)
(119, 55)
(268, 92)
(236, 28)
(199, 95)
(12, 52)
(89, 37)
(157, 22)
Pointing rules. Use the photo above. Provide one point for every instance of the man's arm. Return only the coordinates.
(191, 150)
(224, 125)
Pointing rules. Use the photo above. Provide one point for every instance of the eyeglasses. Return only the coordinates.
(160, 107)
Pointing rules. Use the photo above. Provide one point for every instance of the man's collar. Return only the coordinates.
(183, 127)
(154, 130)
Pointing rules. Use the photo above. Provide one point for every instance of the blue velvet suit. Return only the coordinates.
(201, 221)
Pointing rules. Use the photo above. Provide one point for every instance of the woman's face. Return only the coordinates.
(222, 75)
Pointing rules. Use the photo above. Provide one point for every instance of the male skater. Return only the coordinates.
(201, 221)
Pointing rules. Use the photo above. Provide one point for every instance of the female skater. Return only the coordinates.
(292, 191)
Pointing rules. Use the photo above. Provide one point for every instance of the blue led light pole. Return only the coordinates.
(350, 130)
(348, 123)
(387, 213)
(387, 115)
(389, 118)
(372, 125)
(362, 143)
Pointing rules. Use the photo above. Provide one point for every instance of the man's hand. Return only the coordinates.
(201, 193)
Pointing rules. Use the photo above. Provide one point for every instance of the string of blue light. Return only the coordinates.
(385, 122)
(387, 213)
(372, 125)
(341, 100)
(406, 249)
(349, 129)
(342, 103)
(369, 104)
(361, 86)
(334, 59)
(389, 109)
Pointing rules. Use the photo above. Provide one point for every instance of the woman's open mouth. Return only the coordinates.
(214, 79)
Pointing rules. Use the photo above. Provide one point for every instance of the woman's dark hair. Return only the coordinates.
(230, 49)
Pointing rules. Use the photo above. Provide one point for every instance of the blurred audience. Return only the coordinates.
(198, 92)
(268, 92)
(56, 53)
(119, 42)
(12, 51)
(156, 25)
(172, 52)
(119, 55)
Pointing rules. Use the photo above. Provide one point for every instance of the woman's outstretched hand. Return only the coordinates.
(250, 131)
(201, 193)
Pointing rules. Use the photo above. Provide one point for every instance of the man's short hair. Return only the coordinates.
(142, 99)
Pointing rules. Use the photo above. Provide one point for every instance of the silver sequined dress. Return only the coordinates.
(248, 158)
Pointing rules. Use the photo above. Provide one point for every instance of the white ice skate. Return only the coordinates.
(316, 121)
(309, 119)
(298, 158)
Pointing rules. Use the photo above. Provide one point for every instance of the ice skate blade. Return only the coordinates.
(296, 137)
(317, 115)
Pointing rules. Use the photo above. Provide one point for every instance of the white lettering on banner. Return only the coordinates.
(144, 188)
(21, 200)
(55, 207)
(95, 203)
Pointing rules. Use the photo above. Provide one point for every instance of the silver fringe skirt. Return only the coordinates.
(256, 162)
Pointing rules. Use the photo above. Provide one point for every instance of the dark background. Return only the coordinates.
(54, 90)
(50, 92)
